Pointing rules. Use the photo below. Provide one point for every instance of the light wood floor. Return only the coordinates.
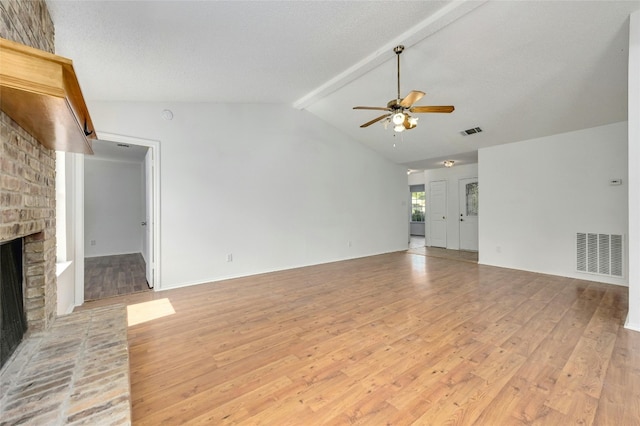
(416, 246)
(416, 241)
(109, 276)
(393, 339)
(460, 255)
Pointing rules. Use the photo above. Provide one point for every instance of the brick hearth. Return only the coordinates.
(76, 372)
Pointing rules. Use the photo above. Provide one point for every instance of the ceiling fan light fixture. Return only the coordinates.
(409, 122)
(398, 118)
(399, 128)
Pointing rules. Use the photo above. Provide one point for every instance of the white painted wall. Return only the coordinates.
(536, 195)
(113, 207)
(452, 176)
(275, 187)
(633, 319)
(416, 178)
(65, 236)
(65, 279)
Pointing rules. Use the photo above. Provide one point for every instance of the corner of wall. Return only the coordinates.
(633, 319)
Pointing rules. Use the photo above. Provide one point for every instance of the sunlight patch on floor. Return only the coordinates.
(147, 311)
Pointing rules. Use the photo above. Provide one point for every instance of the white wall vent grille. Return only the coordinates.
(599, 254)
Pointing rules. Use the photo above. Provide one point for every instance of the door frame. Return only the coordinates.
(78, 195)
(149, 209)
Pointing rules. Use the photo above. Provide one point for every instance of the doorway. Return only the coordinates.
(418, 209)
(126, 269)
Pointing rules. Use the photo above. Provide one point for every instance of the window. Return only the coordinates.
(471, 195)
(417, 203)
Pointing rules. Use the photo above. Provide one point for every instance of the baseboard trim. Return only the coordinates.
(632, 327)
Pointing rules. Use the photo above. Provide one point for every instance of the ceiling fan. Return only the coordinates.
(399, 108)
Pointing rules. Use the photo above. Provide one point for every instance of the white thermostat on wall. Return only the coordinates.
(615, 182)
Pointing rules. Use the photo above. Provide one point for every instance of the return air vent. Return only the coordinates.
(600, 254)
(471, 131)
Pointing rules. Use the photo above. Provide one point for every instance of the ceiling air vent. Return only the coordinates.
(471, 131)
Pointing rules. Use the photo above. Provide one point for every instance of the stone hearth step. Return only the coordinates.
(75, 373)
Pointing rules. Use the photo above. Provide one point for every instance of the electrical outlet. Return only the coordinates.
(349, 243)
(93, 242)
(230, 257)
(498, 249)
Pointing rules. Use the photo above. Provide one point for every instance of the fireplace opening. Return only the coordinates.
(12, 315)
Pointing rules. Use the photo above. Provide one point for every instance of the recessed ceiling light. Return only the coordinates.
(448, 163)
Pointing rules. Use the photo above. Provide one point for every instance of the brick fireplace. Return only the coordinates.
(27, 177)
(72, 369)
(27, 185)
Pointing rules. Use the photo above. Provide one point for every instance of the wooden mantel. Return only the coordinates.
(40, 92)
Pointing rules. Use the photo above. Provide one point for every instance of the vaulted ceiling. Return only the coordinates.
(517, 69)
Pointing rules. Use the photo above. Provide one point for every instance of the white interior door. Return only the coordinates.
(468, 190)
(148, 220)
(438, 213)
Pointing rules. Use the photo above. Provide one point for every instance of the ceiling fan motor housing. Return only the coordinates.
(394, 104)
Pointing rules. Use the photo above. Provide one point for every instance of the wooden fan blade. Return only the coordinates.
(413, 97)
(375, 120)
(443, 108)
(374, 108)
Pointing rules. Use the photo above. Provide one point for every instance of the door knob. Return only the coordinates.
(461, 220)
(443, 217)
(144, 224)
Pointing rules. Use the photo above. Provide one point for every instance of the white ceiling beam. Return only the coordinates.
(445, 16)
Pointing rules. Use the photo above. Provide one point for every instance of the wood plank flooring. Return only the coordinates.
(393, 339)
(461, 255)
(416, 241)
(109, 276)
(416, 246)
